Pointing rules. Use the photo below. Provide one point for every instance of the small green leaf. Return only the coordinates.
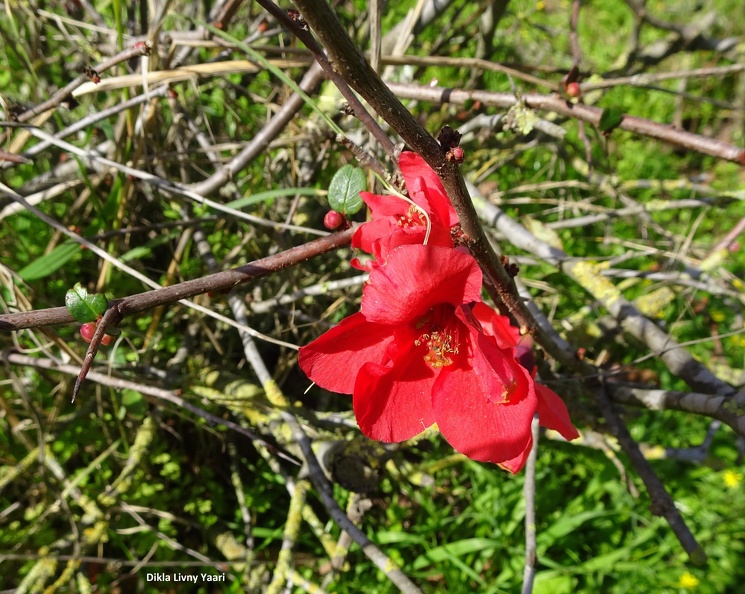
(137, 253)
(610, 119)
(345, 188)
(49, 263)
(131, 398)
(85, 307)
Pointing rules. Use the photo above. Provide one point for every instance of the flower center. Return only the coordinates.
(440, 340)
(413, 218)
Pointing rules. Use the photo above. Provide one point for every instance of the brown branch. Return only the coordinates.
(688, 37)
(355, 70)
(225, 13)
(219, 281)
(573, 37)
(662, 502)
(640, 11)
(57, 98)
(111, 317)
(586, 113)
(359, 111)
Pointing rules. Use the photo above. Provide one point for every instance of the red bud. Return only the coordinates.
(333, 220)
(573, 89)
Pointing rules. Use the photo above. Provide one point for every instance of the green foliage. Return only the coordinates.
(51, 262)
(84, 306)
(610, 119)
(345, 188)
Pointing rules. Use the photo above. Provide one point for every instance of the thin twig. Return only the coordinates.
(61, 94)
(586, 113)
(646, 78)
(530, 521)
(158, 393)
(260, 141)
(378, 557)
(219, 281)
(359, 110)
(589, 276)
(165, 185)
(662, 502)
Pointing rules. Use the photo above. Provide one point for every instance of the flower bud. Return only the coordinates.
(333, 220)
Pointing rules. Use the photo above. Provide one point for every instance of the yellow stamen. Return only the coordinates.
(440, 346)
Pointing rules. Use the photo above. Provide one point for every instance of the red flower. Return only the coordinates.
(397, 222)
(552, 412)
(417, 354)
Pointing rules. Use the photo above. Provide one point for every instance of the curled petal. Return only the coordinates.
(516, 464)
(496, 325)
(415, 279)
(553, 414)
(428, 187)
(395, 222)
(393, 402)
(335, 358)
(474, 417)
(385, 206)
(368, 237)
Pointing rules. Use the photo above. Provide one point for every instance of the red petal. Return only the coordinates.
(489, 361)
(439, 205)
(496, 325)
(385, 206)
(466, 401)
(516, 464)
(384, 233)
(369, 233)
(389, 237)
(416, 278)
(553, 413)
(334, 359)
(366, 266)
(406, 236)
(393, 403)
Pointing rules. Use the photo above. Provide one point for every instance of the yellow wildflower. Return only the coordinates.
(731, 478)
(688, 581)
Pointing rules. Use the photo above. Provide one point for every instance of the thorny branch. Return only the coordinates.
(219, 281)
(354, 68)
(585, 113)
